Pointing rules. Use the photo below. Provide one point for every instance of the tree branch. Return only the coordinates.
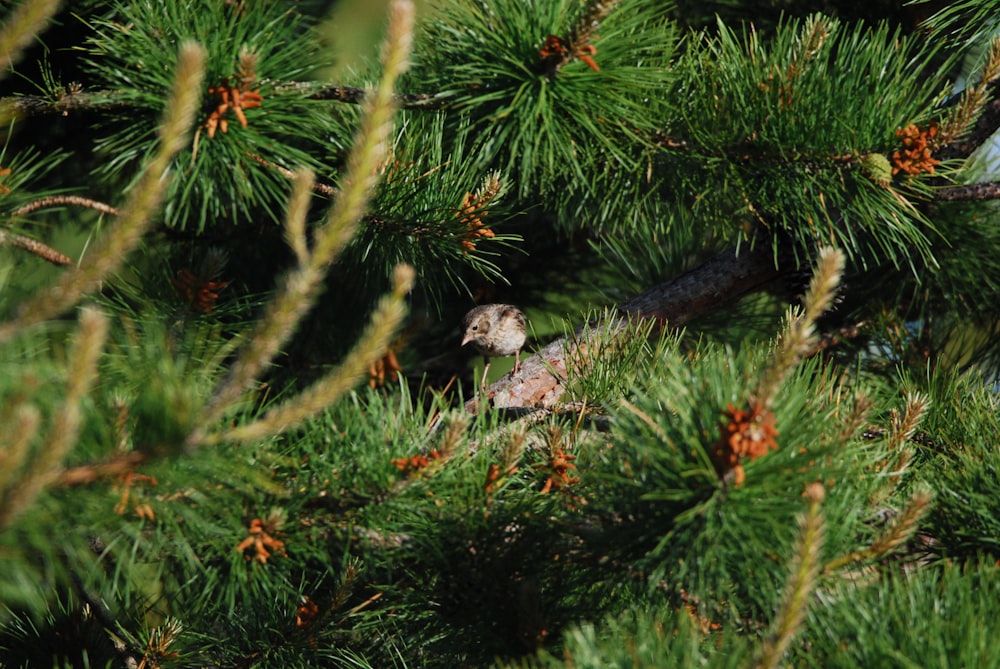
(60, 200)
(540, 383)
(970, 192)
(44, 251)
(40, 105)
(105, 100)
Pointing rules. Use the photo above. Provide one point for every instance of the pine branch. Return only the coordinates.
(302, 284)
(72, 101)
(59, 200)
(137, 214)
(33, 246)
(801, 582)
(19, 106)
(704, 289)
(971, 192)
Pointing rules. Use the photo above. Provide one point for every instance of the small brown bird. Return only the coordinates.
(495, 330)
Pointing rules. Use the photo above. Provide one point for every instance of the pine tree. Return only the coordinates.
(758, 253)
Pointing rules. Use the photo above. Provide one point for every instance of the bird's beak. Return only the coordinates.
(466, 339)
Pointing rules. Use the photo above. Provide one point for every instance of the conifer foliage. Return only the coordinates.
(239, 429)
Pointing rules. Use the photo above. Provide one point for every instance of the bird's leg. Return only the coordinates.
(486, 367)
(517, 361)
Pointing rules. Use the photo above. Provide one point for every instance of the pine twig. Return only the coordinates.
(799, 335)
(902, 428)
(897, 534)
(33, 246)
(60, 200)
(95, 471)
(801, 583)
(280, 317)
(985, 126)
(970, 192)
(321, 188)
(38, 248)
(295, 216)
(905, 527)
(19, 106)
(357, 96)
(22, 422)
(856, 417)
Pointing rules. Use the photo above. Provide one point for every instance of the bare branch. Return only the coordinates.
(970, 192)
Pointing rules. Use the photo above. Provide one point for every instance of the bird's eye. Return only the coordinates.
(475, 327)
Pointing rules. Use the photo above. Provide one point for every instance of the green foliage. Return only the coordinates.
(163, 378)
(197, 475)
(777, 132)
(645, 639)
(220, 180)
(661, 246)
(688, 526)
(958, 456)
(939, 617)
(604, 364)
(437, 209)
(552, 130)
(964, 19)
(959, 301)
(22, 169)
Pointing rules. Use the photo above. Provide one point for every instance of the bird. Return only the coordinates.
(495, 330)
